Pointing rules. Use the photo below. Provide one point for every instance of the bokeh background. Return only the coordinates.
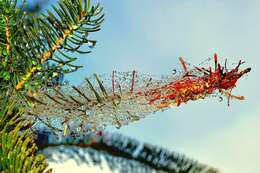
(149, 36)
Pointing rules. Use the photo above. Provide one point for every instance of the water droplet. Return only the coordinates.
(54, 74)
(66, 82)
(38, 73)
(118, 125)
(89, 113)
(91, 44)
(72, 68)
(174, 71)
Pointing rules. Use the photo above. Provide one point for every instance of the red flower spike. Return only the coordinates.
(187, 88)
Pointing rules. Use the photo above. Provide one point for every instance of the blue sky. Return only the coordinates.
(149, 36)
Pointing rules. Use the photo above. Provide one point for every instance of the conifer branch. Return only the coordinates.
(46, 55)
(68, 37)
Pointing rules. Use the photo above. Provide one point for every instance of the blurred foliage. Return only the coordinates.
(121, 153)
(17, 147)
